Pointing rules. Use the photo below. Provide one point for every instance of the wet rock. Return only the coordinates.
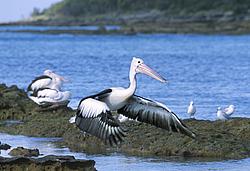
(20, 151)
(4, 146)
(47, 163)
(216, 139)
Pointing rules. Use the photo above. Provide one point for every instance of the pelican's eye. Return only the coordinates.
(139, 62)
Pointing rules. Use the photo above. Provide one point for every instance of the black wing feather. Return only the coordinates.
(154, 113)
(99, 126)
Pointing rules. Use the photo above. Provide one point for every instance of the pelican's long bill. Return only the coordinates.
(143, 68)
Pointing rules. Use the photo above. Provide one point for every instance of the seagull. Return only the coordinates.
(94, 112)
(121, 118)
(48, 80)
(229, 110)
(191, 109)
(72, 119)
(221, 115)
(48, 97)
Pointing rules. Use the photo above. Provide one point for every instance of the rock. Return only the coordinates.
(216, 139)
(20, 151)
(4, 146)
(47, 163)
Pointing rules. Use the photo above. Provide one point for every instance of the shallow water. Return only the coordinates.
(120, 162)
(212, 70)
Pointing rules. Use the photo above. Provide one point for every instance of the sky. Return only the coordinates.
(13, 10)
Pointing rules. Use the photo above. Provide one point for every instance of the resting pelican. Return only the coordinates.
(48, 97)
(191, 109)
(94, 112)
(48, 80)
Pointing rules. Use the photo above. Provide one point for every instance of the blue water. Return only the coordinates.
(120, 162)
(45, 28)
(212, 70)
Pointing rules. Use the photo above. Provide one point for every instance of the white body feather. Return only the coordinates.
(191, 109)
(229, 110)
(92, 108)
(50, 96)
(221, 115)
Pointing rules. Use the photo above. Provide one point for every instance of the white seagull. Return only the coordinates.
(48, 80)
(229, 110)
(221, 115)
(191, 109)
(48, 97)
(121, 118)
(94, 113)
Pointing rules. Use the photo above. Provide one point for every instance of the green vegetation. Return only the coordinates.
(147, 16)
(80, 8)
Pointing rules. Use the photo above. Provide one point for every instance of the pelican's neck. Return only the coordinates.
(132, 87)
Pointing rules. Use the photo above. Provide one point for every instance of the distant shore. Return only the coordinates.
(176, 27)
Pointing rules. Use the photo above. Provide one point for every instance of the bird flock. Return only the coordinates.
(101, 114)
(222, 114)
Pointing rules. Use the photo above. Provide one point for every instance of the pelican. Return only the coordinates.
(48, 80)
(221, 115)
(229, 110)
(94, 113)
(47, 97)
(191, 109)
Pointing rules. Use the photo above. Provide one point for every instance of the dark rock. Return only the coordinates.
(229, 139)
(20, 151)
(47, 163)
(4, 146)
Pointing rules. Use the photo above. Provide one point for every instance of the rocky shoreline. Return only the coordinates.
(216, 139)
(175, 26)
(48, 163)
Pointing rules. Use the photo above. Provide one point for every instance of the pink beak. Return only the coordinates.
(143, 68)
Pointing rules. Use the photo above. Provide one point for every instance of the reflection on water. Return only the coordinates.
(121, 162)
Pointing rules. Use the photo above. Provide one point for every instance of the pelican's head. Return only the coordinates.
(231, 106)
(48, 72)
(54, 75)
(191, 102)
(138, 66)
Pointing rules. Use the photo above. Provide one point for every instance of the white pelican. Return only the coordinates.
(48, 80)
(94, 112)
(191, 109)
(221, 115)
(229, 110)
(47, 97)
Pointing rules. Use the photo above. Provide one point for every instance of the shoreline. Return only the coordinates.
(174, 27)
(216, 139)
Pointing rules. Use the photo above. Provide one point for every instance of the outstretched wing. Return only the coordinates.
(155, 113)
(95, 118)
